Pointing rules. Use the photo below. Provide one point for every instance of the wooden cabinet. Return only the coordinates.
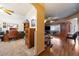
(26, 25)
(29, 37)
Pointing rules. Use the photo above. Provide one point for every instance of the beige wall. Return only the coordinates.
(39, 47)
(11, 20)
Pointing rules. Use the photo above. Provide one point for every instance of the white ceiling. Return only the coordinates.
(54, 10)
(18, 8)
(60, 10)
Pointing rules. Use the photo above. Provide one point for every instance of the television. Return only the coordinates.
(47, 28)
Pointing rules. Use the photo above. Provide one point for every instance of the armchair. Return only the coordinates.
(74, 36)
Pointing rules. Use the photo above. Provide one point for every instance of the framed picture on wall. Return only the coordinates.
(4, 24)
(33, 23)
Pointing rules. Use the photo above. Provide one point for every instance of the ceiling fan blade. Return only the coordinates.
(7, 12)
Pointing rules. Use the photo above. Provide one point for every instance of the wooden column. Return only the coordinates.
(65, 28)
(39, 42)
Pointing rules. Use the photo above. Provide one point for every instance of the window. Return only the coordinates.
(55, 28)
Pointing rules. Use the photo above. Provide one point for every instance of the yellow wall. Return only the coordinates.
(39, 42)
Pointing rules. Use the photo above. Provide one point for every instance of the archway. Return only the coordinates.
(34, 13)
(39, 42)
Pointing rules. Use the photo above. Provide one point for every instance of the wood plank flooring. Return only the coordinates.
(62, 48)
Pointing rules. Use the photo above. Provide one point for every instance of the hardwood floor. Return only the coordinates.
(62, 48)
(66, 48)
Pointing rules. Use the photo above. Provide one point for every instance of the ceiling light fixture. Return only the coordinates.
(55, 17)
(52, 18)
(51, 21)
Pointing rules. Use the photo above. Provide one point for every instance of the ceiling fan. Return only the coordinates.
(8, 11)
